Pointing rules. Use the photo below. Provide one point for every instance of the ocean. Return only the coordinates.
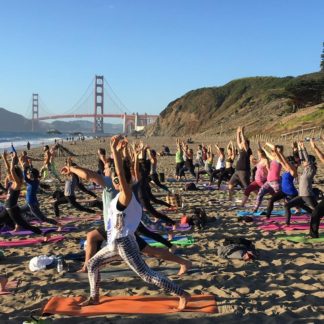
(20, 139)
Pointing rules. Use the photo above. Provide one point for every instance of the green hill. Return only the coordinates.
(259, 103)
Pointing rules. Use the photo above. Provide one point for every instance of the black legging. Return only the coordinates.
(155, 178)
(317, 214)
(73, 202)
(225, 174)
(5, 219)
(141, 229)
(188, 167)
(85, 190)
(178, 168)
(216, 174)
(277, 196)
(303, 202)
(15, 214)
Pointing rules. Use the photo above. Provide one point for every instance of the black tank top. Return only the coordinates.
(12, 198)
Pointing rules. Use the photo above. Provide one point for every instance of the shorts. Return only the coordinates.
(141, 243)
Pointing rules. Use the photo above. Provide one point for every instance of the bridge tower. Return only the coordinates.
(35, 111)
(98, 126)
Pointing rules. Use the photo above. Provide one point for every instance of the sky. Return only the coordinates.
(149, 51)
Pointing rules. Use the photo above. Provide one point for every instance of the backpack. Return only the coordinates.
(199, 218)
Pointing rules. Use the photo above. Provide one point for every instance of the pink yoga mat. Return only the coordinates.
(274, 227)
(283, 219)
(30, 241)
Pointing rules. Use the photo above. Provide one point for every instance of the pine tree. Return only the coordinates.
(322, 61)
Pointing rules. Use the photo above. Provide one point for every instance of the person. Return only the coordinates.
(3, 283)
(153, 174)
(48, 164)
(11, 203)
(272, 185)
(242, 172)
(179, 159)
(124, 216)
(220, 164)
(262, 165)
(318, 211)
(69, 196)
(188, 163)
(101, 160)
(199, 162)
(287, 189)
(305, 198)
(28, 146)
(227, 173)
(31, 177)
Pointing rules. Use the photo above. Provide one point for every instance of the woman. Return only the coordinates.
(153, 174)
(262, 167)
(208, 169)
(272, 185)
(227, 173)
(124, 217)
(220, 164)
(188, 165)
(306, 198)
(11, 203)
(179, 160)
(288, 190)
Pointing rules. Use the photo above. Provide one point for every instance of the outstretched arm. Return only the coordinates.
(317, 151)
(289, 167)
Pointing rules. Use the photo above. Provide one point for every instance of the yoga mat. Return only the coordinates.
(262, 213)
(44, 230)
(283, 219)
(108, 274)
(30, 241)
(301, 238)
(10, 286)
(179, 227)
(128, 305)
(291, 227)
(180, 240)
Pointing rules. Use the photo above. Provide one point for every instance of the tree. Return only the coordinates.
(322, 61)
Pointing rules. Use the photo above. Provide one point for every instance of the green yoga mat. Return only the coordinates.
(300, 238)
(188, 240)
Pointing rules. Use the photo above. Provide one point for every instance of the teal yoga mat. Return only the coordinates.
(300, 238)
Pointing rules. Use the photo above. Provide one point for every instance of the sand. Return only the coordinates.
(285, 284)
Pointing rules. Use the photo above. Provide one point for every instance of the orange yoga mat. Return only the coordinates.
(128, 305)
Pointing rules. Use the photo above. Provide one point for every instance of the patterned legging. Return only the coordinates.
(270, 187)
(127, 249)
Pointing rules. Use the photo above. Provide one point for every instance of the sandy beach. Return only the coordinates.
(283, 285)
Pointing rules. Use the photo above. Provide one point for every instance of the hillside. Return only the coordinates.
(259, 103)
(10, 121)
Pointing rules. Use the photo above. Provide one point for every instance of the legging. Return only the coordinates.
(188, 167)
(277, 196)
(127, 249)
(5, 219)
(225, 174)
(270, 187)
(215, 174)
(85, 190)
(178, 168)
(155, 178)
(141, 229)
(37, 213)
(299, 201)
(317, 214)
(73, 202)
(16, 217)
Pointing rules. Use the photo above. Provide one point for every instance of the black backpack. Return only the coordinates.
(190, 187)
(199, 218)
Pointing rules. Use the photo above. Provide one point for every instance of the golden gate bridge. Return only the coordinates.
(95, 100)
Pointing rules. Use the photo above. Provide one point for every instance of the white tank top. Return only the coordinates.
(220, 163)
(121, 224)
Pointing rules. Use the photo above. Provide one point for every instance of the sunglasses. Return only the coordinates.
(116, 180)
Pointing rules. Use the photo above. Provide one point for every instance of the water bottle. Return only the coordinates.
(59, 265)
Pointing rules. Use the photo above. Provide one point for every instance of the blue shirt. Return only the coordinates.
(31, 190)
(287, 184)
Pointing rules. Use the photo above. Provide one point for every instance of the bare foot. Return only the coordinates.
(90, 301)
(184, 268)
(60, 227)
(3, 283)
(84, 269)
(170, 236)
(183, 301)
(46, 237)
(18, 228)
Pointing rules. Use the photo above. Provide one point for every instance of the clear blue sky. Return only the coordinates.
(150, 51)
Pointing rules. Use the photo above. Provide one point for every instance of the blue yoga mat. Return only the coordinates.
(242, 213)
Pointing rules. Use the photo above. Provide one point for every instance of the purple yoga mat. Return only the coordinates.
(30, 241)
(44, 230)
(180, 227)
